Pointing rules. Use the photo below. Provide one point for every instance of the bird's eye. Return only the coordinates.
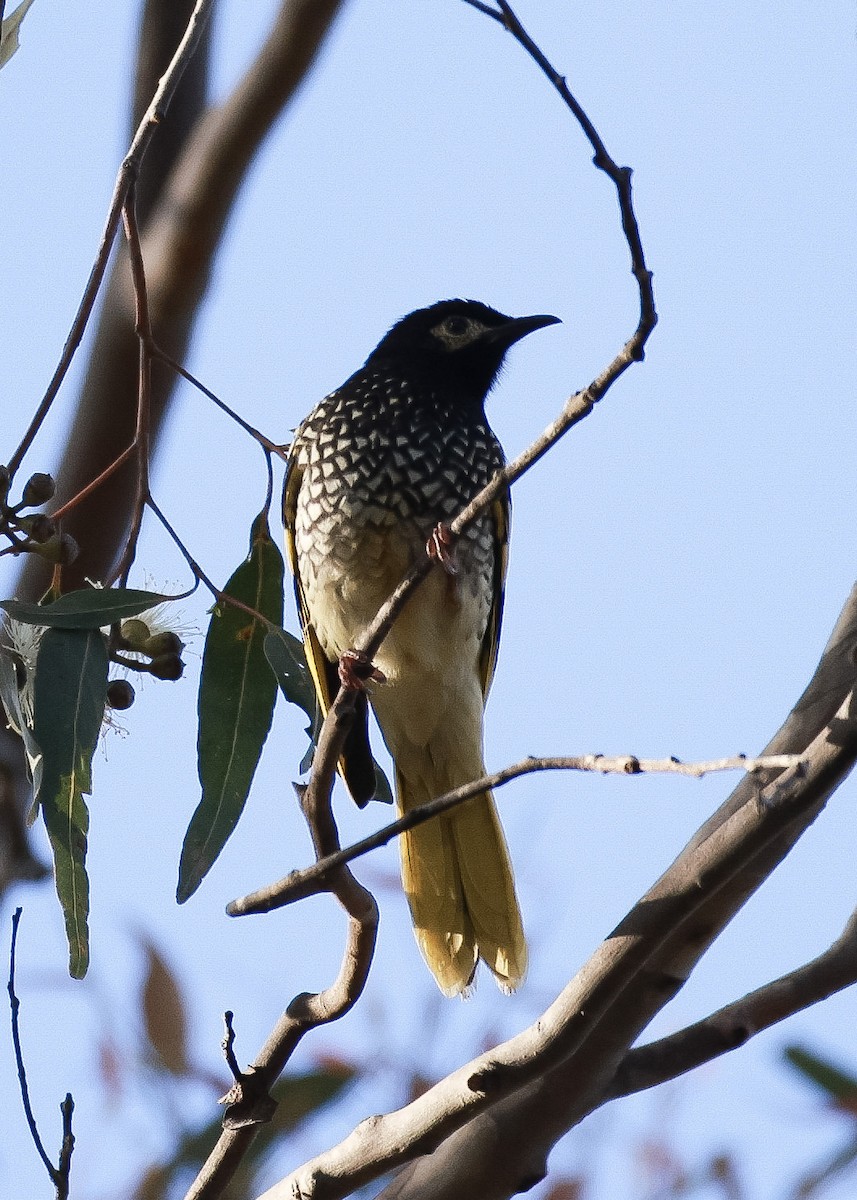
(456, 326)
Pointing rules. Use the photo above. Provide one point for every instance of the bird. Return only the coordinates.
(374, 475)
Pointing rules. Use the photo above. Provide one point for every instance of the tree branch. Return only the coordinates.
(734, 1024)
(508, 1145)
(60, 1174)
(297, 885)
(666, 916)
(249, 1101)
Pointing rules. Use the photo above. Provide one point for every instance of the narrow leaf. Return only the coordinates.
(164, 1015)
(9, 31)
(69, 696)
(287, 657)
(10, 698)
(88, 608)
(237, 693)
(839, 1085)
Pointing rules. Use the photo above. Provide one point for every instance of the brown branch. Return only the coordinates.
(182, 221)
(733, 1025)
(309, 881)
(104, 421)
(142, 432)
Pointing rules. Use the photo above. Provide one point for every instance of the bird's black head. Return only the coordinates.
(456, 345)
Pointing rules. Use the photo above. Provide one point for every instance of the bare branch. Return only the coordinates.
(731, 1026)
(509, 1145)
(297, 885)
(59, 1175)
(666, 912)
(250, 1104)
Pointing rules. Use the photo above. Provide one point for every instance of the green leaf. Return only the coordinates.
(69, 696)
(10, 698)
(383, 791)
(89, 608)
(9, 31)
(839, 1085)
(287, 657)
(237, 693)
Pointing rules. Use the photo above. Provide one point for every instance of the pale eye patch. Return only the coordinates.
(456, 331)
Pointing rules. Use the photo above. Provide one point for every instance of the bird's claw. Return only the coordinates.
(356, 669)
(440, 547)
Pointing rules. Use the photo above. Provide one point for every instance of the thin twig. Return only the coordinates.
(15, 1005)
(264, 442)
(127, 174)
(142, 433)
(66, 1149)
(228, 1045)
(199, 574)
(95, 484)
(576, 408)
(297, 885)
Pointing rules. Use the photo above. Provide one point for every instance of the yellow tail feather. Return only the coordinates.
(458, 879)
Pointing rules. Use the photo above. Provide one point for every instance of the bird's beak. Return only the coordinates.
(518, 327)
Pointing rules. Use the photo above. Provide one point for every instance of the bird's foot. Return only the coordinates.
(356, 669)
(440, 547)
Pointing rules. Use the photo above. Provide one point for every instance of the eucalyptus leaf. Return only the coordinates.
(237, 694)
(10, 698)
(287, 657)
(285, 653)
(70, 690)
(88, 608)
(839, 1085)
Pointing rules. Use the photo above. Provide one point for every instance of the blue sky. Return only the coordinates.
(677, 563)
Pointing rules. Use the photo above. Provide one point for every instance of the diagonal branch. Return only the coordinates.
(665, 914)
(128, 172)
(298, 885)
(509, 1145)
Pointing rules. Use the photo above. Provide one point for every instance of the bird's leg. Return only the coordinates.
(355, 668)
(440, 547)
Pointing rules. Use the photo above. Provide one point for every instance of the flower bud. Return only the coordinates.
(163, 643)
(120, 694)
(38, 489)
(39, 527)
(135, 633)
(62, 549)
(167, 666)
